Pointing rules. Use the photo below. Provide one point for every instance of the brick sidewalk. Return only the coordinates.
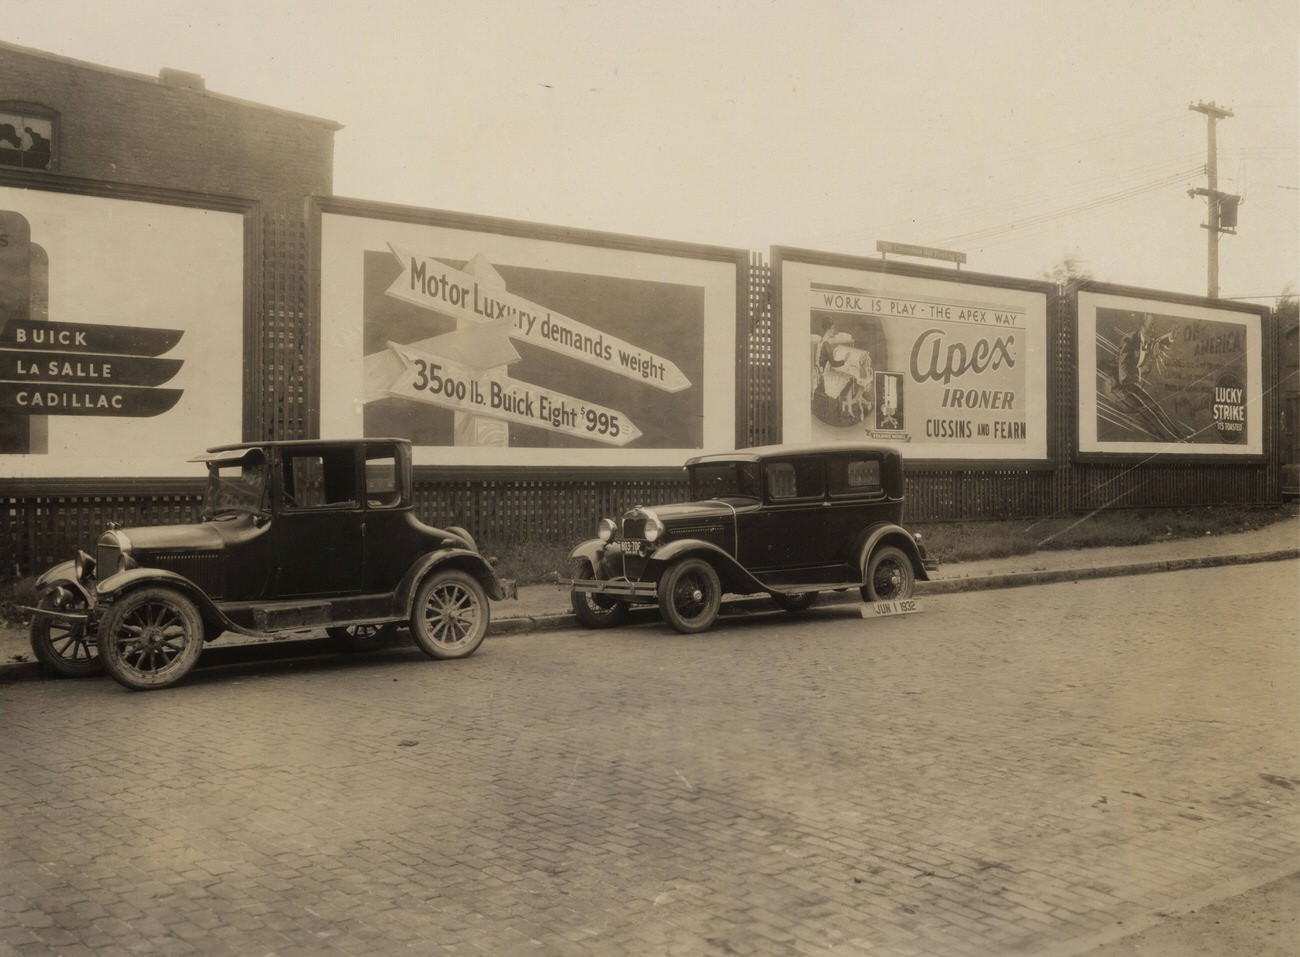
(993, 776)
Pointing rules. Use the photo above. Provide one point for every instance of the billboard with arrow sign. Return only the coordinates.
(491, 343)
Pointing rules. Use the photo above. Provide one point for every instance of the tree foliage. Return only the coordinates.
(1069, 272)
(1288, 307)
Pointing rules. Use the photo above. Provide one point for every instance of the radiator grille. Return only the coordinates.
(106, 557)
(204, 569)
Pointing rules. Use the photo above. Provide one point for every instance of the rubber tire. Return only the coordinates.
(595, 611)
(690, 595)
(794, 601)
(362, 639)
(158, 608)
(450, 602)
(63, 646)
(889, 576)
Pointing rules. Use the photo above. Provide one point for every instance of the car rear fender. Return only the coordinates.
(461, 558)
(734, 576)
(880, 536)
(117, 586)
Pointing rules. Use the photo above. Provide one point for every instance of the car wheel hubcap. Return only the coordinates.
(152, 638)
(451, 615)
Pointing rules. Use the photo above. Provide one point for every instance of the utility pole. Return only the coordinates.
(1221, 207)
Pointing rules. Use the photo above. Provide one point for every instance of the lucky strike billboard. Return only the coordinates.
(942, 368)
(491, 348)
(1159, 377)
(121, 334)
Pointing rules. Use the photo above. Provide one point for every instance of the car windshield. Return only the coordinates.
(235, 487)
(724, 480)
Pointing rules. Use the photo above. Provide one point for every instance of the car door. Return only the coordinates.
(318, 523)
(856, 500)
(786, 539)
(390, 542)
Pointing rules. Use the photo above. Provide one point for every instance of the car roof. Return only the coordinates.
(223, 452)
(763, 453)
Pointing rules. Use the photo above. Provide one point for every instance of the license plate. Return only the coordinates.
(886, 609)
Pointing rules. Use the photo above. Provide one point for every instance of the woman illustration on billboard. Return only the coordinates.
(1141, 357)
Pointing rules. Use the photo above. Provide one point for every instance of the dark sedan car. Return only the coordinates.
(293, 536)
(785, 521)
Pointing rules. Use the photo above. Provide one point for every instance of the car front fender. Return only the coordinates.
(885, 534)
(734, 576)
(117, 585)
(64, 573)
(592, 550)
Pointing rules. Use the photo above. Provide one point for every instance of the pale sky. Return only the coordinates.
(1016, 131)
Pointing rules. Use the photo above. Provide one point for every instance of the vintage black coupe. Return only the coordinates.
(786, 521)
(293, 536)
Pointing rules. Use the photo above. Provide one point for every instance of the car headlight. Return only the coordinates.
(653, 527)
(84, 566)
(605, 531)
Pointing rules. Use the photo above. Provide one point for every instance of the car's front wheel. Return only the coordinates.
(62, 644)
(595, 610)
(450, 616)
(150, 638)
(690, 595)
(889, 576)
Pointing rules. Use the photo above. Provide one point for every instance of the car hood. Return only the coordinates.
(689, 511)
(200, 536)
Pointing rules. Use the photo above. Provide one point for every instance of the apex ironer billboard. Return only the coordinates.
(946, 368)
(487, 342)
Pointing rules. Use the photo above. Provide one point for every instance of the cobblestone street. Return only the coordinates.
(1032, 771)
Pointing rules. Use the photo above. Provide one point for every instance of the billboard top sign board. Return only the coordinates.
(923, 252)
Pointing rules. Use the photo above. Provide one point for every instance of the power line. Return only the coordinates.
(1063, 212)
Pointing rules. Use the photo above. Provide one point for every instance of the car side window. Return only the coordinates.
(382, 488)
(854, 476)
(801, 478)
(317, 480)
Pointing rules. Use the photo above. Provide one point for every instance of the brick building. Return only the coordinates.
(71, 126)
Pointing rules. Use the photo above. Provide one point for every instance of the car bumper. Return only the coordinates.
(614, 587)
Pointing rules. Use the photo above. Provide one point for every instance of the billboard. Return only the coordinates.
(121, 334)
(1161, 377)
(945, 368)
(492, 343)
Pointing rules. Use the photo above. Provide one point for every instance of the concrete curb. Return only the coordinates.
(1019, 579)
(280, 651)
